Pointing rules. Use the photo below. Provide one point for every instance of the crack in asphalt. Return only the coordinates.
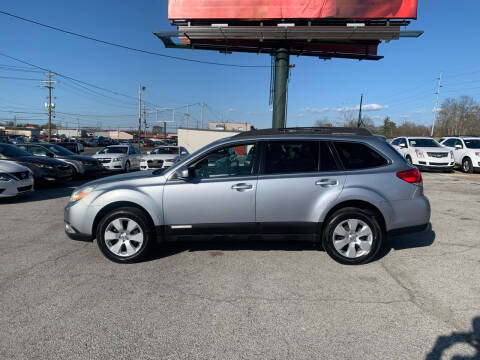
(22, 273)
(414, 299)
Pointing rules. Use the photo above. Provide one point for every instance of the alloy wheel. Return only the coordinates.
(353, 238)
(123, 237)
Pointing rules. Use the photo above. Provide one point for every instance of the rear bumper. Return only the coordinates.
(408, 230)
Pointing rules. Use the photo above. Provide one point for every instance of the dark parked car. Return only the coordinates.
(75, 147)
(80, 164)
(45, 170)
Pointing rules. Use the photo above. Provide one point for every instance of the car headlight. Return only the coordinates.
(44, 166)
(81, 193)
(420, 154)
(6, 177)
(117, 159)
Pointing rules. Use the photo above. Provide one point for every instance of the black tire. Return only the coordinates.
(409, 159)
(343, 215)
(144, 224)
(467, 166)
(127, 167)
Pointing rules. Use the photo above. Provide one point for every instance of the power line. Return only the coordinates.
(128, 47)
(18, 78)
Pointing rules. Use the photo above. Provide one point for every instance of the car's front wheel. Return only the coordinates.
(352, 236)
(127, 166)
(124, 235)
(467, 166)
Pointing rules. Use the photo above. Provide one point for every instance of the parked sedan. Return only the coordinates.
(45, 170)
(163, 157)
(80, 164)
(425, 153)
(15, 179)
(119, 158)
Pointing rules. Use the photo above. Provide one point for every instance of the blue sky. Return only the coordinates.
(401, 86)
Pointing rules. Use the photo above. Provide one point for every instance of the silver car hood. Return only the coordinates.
(159, 156)
(133, 177)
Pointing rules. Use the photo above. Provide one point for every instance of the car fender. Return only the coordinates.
(364, 194)
(135, 196)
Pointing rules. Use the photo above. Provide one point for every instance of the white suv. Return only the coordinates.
(466, 151)
(424, 152)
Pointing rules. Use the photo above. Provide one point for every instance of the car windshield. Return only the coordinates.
(59, 150)
(423, 143)
(472, 143)
(12, 151)
(167, 150)
(114, 150)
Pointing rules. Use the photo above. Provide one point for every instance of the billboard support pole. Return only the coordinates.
(282, 65)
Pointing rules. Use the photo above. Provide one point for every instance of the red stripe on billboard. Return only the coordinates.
(291, 9)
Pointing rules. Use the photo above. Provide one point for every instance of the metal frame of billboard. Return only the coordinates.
(322, 38)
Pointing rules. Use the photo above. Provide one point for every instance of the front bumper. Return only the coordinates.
(48, 176)
(73, 234)
(14, 188)
(113, 166)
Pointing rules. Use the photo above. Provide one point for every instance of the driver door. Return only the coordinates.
(218, 197)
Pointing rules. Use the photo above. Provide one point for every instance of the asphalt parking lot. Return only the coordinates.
(61, 299)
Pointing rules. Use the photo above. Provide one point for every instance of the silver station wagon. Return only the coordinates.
(341, 187)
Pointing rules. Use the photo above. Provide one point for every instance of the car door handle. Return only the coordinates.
(242, 187)
(326, 182)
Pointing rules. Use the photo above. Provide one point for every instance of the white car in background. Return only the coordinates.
(119, 158)
(425, 153)
(15, 179)
(163, 157)
(466, 151)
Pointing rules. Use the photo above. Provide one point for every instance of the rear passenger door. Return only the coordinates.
(297, 179)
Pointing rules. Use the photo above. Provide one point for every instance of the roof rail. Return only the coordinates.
(308, 130)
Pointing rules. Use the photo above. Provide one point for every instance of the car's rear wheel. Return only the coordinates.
(352, 236)
(409, 159)
(467, 166)
(124, 235)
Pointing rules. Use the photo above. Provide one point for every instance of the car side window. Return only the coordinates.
(327, 159)
(403, 141)
(449, 143)
(356, 156)
(285, 157)
(38, 150)
(396, 142)
(225, 162)
(23, 147)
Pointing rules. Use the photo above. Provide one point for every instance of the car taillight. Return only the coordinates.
(412, 176)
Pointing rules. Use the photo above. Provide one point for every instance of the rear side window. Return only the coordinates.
(327, 160)
(355, 156)
(285, 157)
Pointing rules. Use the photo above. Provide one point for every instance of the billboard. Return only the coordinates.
(291, 9)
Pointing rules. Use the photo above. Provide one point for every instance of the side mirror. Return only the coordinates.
(402, 145)
(182, 173)
(183, 153)
(148, 152)
(50, 155)
(458, 146)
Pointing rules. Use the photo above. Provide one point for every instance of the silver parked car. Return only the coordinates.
(343, 188)
(163, 157)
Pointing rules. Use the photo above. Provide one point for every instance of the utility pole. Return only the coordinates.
(203, 113)
(437, 93)
(15, 125)
(359, 123)
(49, 105)
(140, 90)
(187, 115)
(145, 119)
